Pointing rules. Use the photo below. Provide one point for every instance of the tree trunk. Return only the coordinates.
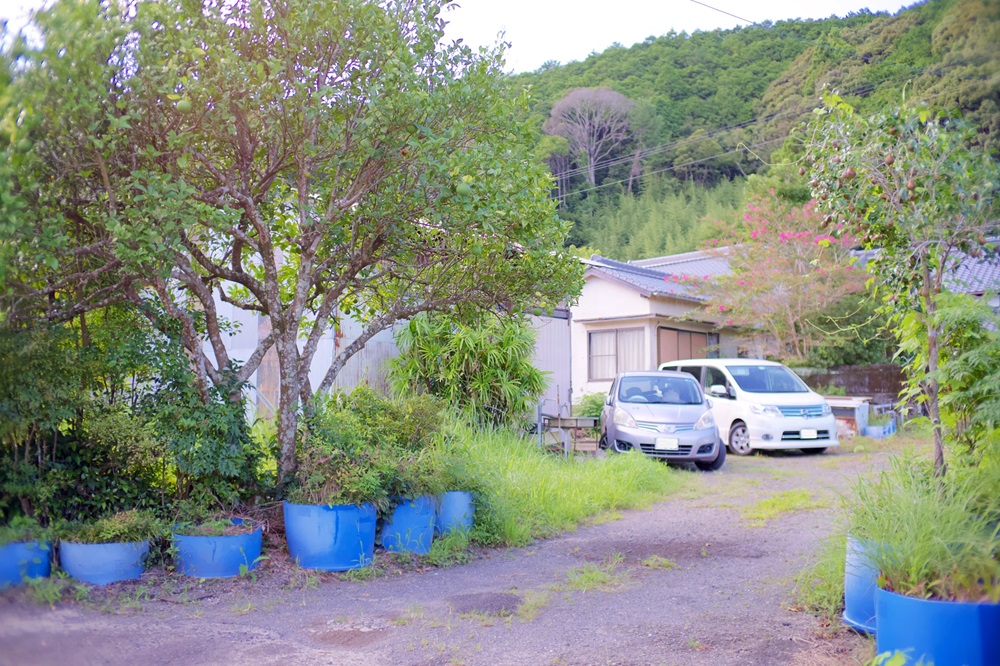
(288, 405)
(931, 388)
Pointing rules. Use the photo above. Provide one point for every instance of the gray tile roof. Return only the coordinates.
(698, 263)
(648, 281)
(653, 276)
(976, 275)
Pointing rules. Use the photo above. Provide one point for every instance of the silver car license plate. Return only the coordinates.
(665, 444)
(808, 434)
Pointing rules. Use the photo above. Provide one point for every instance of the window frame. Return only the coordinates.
(615, 358)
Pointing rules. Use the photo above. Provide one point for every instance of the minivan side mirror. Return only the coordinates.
(718, 390)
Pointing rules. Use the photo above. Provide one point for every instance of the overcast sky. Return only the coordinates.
(567, 30)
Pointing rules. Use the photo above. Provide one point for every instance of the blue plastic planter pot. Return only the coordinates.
(860, 582)
(455, 511)
(23, 560)
(411, 527)
(945, 633)
(330, 537)
(218, 556)
(103, 563)
(880, 431)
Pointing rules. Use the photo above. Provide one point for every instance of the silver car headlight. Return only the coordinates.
(826, 410)
(705, 422)
(623, 418)
(766, 410)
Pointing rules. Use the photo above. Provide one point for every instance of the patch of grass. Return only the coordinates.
(46, 591)
(412, 613)
(819, 587)
(758, 513)
(532, 603)
(590, 576)
(302, 579)
(657, 562)
(362, 574)
(606, 517)
(523, 493)
(450, 549)
(243, 608)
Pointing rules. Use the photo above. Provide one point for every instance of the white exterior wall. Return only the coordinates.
(606, 304)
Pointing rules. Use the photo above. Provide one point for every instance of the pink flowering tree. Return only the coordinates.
(787, 271)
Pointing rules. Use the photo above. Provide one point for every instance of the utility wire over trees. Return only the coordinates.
(293, 159)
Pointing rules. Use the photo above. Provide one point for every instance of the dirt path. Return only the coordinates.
(724, 602)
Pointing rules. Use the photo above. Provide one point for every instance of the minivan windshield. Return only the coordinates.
(659, 389)
(767, 379)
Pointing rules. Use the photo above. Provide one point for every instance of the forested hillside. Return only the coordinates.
(663, 134)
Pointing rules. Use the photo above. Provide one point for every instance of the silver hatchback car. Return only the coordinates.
(664, 415)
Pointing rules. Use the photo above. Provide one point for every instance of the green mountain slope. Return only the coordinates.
(715, 106)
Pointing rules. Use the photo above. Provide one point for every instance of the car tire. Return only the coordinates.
(739, 440)
(603, 443)
(713, 465)
(815, 451)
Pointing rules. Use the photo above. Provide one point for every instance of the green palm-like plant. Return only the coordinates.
(482, 368)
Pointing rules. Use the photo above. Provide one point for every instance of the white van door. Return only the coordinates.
(724, 408)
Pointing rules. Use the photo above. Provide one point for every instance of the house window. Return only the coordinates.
(611, 352)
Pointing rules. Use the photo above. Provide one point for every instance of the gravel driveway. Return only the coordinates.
(687, 581)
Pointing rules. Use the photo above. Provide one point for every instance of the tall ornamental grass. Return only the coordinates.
(523, 493)
(934, 537)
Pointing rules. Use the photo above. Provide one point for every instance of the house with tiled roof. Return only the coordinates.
(634, 316)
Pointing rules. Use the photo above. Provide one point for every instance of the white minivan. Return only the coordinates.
(762, 405)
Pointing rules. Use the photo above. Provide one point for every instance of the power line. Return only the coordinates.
(759, 144)
(685, 164)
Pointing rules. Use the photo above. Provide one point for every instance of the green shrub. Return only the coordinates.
(362, 447)
(22, 529)
(483, 368)
(124, 526)
(591, 404)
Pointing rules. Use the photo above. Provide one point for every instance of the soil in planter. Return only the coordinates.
(213, 528)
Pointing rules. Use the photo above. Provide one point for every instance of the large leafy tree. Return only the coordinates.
(299, 160)
(786, 274)
(595, 123)
(908, 183)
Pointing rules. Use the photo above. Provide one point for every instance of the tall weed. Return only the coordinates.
(523, 493)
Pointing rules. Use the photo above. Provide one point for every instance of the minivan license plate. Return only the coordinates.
(666, 444)
(807, 434)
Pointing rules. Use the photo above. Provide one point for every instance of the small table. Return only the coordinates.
(571, 432)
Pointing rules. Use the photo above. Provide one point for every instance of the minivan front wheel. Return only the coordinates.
(739, 439)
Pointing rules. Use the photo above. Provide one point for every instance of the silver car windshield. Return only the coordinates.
(767, 379)
(658, 389)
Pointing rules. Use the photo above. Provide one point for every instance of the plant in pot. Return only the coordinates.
(331, 511)
(456, 506)
(934, 542)
(110, 549)
(417, 483)
(25, 551)
(212, 545)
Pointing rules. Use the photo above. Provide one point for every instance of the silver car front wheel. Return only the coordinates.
(739, 440)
